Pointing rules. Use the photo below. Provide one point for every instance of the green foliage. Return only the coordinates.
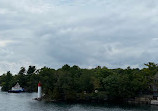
(73, 83)
(6, 81)
(31, 70)
(22, 71)
(47, 77)
(86, 83)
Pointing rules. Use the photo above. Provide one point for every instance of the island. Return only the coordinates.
(100, 84)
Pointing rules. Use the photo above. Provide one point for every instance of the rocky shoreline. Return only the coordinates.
(136, 100)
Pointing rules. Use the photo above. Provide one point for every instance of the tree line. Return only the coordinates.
(78, 84)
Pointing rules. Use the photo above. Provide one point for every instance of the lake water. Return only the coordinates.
(24, 102)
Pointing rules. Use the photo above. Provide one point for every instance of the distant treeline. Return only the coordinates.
(77, 84)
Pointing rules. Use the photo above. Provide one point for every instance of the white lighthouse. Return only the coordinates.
(39, 90)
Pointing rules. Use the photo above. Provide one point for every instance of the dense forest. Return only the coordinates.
(77, 84)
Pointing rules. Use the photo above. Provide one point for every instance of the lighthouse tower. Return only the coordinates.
(39, 90)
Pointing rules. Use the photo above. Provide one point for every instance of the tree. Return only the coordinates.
(48, 79)
(22, 71)
(86, 83)
(66, 67)
(31, 70)
(6, 80)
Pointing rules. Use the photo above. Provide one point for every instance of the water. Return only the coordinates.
(24, 102)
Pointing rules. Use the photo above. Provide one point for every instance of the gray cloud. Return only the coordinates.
(88, 33)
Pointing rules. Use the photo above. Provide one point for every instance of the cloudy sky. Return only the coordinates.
(87, 33)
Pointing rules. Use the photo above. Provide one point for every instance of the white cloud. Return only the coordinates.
(88, 33)
(4, 43)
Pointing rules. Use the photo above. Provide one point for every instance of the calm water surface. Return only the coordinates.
(24, 102)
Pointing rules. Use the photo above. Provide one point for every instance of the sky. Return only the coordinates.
(87, 33)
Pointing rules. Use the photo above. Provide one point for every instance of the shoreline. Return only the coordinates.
(136, 101)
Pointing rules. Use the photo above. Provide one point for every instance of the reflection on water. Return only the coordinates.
(24, 102)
